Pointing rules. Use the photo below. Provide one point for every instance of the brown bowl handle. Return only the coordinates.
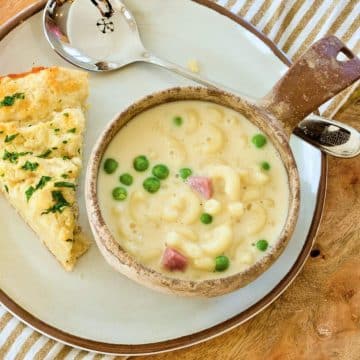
(312, 80)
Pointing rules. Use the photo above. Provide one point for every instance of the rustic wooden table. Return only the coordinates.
(318, 317)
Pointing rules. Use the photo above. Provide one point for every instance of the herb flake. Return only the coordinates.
(65, 184)
(60, 203)
(42, 182)
(45, 154)
(14, 156)
(10, 138)
(30, 166)
(29, 192)
(10, 99)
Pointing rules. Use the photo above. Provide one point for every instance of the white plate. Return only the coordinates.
(94, 307)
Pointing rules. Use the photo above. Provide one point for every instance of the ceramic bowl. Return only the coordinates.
(312, 80)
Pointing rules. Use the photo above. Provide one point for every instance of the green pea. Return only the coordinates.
(265, 165)
(222, 262)
(177, 120)
(119, 193)
(206, 218)
(185, 173)
(259, 140)
(262, 245)
(126, 179)
(160, 171)
(110, 166)
(151, 184)
(141, 163)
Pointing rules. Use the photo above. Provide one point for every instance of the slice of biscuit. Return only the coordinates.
(42, 124)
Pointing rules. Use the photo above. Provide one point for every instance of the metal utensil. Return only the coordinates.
(55, 23)
(124, 47)
(333, 137)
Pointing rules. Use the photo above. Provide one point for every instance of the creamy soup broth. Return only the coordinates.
(218, 220)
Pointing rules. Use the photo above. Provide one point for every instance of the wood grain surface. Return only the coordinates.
(318, 317)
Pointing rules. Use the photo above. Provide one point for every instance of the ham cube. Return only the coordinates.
(173, 260)
(202, 185)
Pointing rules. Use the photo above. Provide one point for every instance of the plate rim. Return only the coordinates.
(213, 331)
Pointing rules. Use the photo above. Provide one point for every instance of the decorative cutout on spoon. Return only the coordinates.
(105, 25)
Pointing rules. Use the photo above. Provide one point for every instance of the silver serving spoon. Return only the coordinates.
(126, 33)
(115, 43)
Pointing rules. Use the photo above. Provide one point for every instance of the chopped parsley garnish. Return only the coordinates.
(54, 148)
(30, 166)
(66, 114)
(9, 138)
(42, 182)
(56, 130)
(66, 157)
(14, 156)
(10, 100)
(11, 156)
(73, 130)
(69, 240)
(65, 142)
(64, 176)
(29, 192)
(60, 203)
(45, 154)
(6, 188)
(64, 184)
(1, 132)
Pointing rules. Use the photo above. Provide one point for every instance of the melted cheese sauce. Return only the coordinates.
(248, 202)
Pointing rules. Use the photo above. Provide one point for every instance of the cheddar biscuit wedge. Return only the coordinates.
(42, 124)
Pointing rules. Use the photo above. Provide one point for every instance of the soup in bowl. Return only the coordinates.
(193, 190)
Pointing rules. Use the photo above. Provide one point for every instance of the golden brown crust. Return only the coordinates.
(45, 91)
(20, 75)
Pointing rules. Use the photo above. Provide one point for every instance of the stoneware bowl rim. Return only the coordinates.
(123, 262)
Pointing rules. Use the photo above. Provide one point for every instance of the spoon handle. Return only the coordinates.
(152, 59)
(332, 137)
